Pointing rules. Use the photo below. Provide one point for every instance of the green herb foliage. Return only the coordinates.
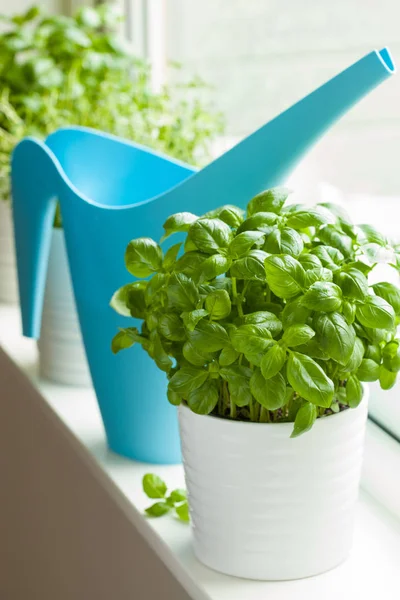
(266, 316)
(175, 501)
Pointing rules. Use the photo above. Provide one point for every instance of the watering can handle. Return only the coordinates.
(35, 177)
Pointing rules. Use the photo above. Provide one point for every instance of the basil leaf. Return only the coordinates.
(309, 380)
(170, 257)
(171, 327)
(371, 235)
(270, 393)
(349, 311)
(373, 352)
(284, 241)
(228, 356)
(310, 217)
(126, 338)
(153, 486)
(353, 283)
(143, 257)
(190, 319)
(387, 379)
(391, 356)
(182, 292)
(218, 305)
(178, 222)
(214, 266)
(231, 215)
(356, 357)
(376, 313)
(313, 349)
(209, 337)
(329, 257)
(177, 495)
(323, 296)
(273, 361)
(251, 338)
(129, 300)
(249, 268)
(186, 380)
(318, 274)
(194, 356)
(261, 221)
(157, 352)
(268, 201)
(309, 261)
(285, 275)
(268, 319)
(190, 264)
(173, 397)
(203, 399)
(238, 379)
(335, 336)
(297, 335)
(305, 419)
(368, 370)
(332, 237)
(158, 509)
(183, 512)
(390, 293)
(242, 243)
(209, 235)
(295, 312)
(354, 391)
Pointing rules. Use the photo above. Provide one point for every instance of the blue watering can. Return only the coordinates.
(111, 191)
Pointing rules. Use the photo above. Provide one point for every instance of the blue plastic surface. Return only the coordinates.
(112, 191)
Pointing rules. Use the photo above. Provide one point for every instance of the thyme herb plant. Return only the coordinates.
(266, 316)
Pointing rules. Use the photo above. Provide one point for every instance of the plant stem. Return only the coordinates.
(264, 415)
(251, 407)
(233, 409)
(236, 297)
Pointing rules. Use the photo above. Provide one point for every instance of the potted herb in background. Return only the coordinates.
(266, 327)
(59, 71)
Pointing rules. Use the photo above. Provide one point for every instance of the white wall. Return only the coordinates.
(263, 55)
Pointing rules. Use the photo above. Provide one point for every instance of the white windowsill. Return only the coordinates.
(371, 570)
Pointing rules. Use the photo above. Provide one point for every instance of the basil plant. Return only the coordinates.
(267, 315)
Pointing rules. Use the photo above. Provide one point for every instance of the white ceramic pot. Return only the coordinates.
(8, 272)
(61, 354)
(266, 506)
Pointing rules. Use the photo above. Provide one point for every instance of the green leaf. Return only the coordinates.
(295, 335)
(194, 356)
(171, 327)
(238, 378)
(249, 267)
(295, 312)
(323, 296)
(178, 495)
(349, 311)
(186, 380)
(317, 274)
(251, 338)
(125, 338)
(218, 305)
(158, 354)
(332, 237)
(203, 399)
(170, 257)
(178, 222)
(353, 283)
(285, 275)
(231, 215)
(335, 336)
(329, 257)
(270, 393)
(143, 257)
(209, 337)
(373, 352)
(182, 292)
(284, 241)
(268, 201)
(391, 356)
(309, 217)
(119, 301)
(265, 318)
(190, 319)
(313, 349)
(309, 261)
(242, 243)
(155, 288)
(190, 264)
(273, 361)
(214, 266)
(387, 379)
(308, 379)
(261, 221)
(390, 293)
(228, 356)
(376, 313)
(356, 357)
(183, 512)
(173, 397)
(153, 486)
(354, 391)
(210, 235)
(305, 419)
(158, 509)
(368, 370)
(371, 235)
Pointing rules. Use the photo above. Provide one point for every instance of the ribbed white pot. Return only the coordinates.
(8, 272)
(61, 354)
(266, 506)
